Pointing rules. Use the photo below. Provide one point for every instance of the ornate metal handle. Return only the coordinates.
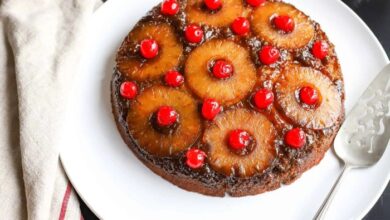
(321, 214)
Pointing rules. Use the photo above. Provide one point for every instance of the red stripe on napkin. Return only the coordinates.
(65, 201)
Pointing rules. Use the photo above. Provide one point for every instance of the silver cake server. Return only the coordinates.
(364, 135)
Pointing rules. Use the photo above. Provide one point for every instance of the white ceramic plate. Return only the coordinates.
(116, 185)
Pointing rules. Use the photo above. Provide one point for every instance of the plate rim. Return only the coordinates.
(383, 54)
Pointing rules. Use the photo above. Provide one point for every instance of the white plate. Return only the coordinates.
(115, 185)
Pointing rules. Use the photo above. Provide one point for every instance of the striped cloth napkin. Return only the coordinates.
(40, 45)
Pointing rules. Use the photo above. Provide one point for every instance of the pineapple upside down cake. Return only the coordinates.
(227, 96)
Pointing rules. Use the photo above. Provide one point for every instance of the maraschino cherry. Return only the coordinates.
(320, 49)
(263, 98)
(193, 33)
(295, 138)
(213, 4)
(128, 90)
(173, 78)
(169, 7)
(308, 95)
(239, 139)
(284, 23)
(166, 116)
(222, 69)
(195, 158)
(149, 48)
(255, 3)
(269, 55)
(210, 109)
(240, 26)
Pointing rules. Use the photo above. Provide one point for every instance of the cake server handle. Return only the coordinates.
(321, 214)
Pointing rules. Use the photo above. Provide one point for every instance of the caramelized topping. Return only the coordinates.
(153, 120)
(298, 87)
(205, 85)
(273, 29)
(221, 17)
(131, 62)
(238, 130)
(241, 143)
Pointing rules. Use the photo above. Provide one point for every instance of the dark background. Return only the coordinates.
(376, 13)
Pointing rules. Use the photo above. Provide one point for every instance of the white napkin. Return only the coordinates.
(40, 44)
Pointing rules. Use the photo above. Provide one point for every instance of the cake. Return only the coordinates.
(227, 97)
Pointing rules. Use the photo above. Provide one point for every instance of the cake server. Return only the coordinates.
(365, 133)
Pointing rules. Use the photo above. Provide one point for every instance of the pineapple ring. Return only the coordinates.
(154, 142)
(231, 9)
(261, 21)
(227, 162)
(325, 114)
(132, 66)
(228, 91)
